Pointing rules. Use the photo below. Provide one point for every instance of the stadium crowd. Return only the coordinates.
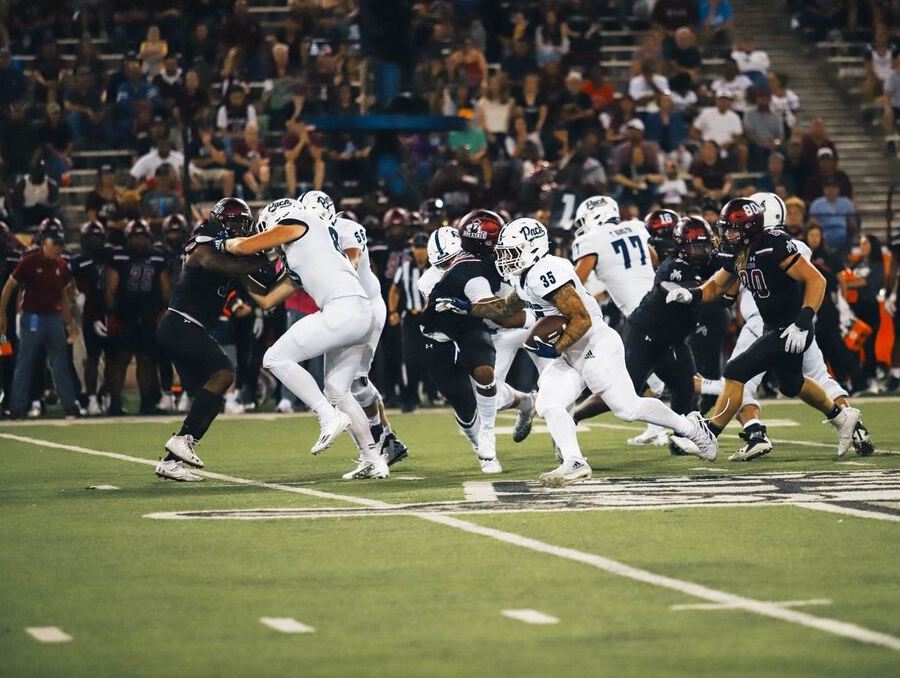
(211, 101)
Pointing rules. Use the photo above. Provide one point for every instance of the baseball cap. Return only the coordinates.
(420, 240)
(725, 94)
(825, 152)
(635, 123)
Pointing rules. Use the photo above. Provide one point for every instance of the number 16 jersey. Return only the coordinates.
(623, 260)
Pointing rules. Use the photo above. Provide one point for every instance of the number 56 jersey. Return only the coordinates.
(623, 260)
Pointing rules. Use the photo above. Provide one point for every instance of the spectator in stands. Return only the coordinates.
(46, 321)
(18, 142)
(88, 57)
(670, 15)
(57, 142)
(719, 123)
(599, 89)
(763, 129)
(613, 119)
(776, 180)
(666, 127)
(793, 161)
(637, 184)
(153, 51)
(710, 174)
(867, 280)
(84, 110)
(129, 23)
(134, 89)
(234, 115)
(674, 189)
(162, 199)
(826, 169)
(784, 102)
(144, 169)
(241, 29)
(193, 101)
(169, 83)
(494, 110)
(734, 83)
(685, 60)
(532, 103)
(519, 138)
(836, 215)
(519, 63)
(278, 87)
(35, 197)
(13, 86)
(717, 19)
(303, 160)
(201, 52)
(814, 140)
(575, 108)
(751, 61)
(48, 72)
(102, 204)
(822, 16)
(209, 162)
(892, 103)
(879, 64)
(647, 85)
(252, 160)
(551, 38)
(795, 216)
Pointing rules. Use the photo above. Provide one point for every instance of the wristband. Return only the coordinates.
(804, 318)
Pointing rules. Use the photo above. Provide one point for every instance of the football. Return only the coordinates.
(549, 329)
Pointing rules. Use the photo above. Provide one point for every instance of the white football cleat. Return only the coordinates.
(487, 443)
(700, 441)
(166, 402)
(567, 473)
(652, 435)
(369, 469)
(330, 431)
(93, 408)
(183, 448)
(524, 418)
(490, 466)
(174, 469)
(232, 406)
(284, 406)
(845, 423)
(35, 410)
(184, 402)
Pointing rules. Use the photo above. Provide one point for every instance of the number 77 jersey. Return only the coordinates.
(622, 260)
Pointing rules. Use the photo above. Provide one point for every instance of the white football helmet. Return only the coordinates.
(320, 204)
(272, 213)
(520, 244)
(596, 210)
(443, 245)
(774, 209)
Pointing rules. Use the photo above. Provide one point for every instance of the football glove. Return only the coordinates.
(890, 305)
(257, 323)
(100, 328)
(794, 338)
(680, 296)
(453, 304)
(542, 349)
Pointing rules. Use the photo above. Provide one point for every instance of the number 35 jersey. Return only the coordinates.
(316, 262)
(777, 295)
(623, 260)
(537, 285)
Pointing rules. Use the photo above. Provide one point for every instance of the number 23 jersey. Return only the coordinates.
(623, 260)
(316, 262)
(537, 285)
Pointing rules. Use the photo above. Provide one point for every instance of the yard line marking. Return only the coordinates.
(479, 490)
(396, 477)
(848, 511)
(286, 625)
(104, 487)
(48, 634)
(825, 624)
(853, 463)
(530, 616)
(374, 503)
(715, 469)
(781, 603)
(833, 626)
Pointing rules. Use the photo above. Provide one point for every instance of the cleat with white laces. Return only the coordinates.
(174, 469)
(490, 466)
(699, 442)
(758, 445)
(567, 473)
(284, 406)
(330, 431)
(93, 408)
(524, 418)
(845, 423)
(393, 448)
(652, 435)
(369, 469)
(862, 443)
(183, 448)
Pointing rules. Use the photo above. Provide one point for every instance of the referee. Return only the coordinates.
(405, 304)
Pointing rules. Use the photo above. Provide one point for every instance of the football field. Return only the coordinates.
(273, 566)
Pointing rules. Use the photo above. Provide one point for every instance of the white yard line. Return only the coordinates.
(286, 625)
(104, 487)
(530, 616)
(847, 511)
(781, 603)
(48, 634)
(762, 608)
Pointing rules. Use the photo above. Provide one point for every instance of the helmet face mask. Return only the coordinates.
(695, 240)
(661, 226)
(320, 204)
(522, 242)
(234, 215)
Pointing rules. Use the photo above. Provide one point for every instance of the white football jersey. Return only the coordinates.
(352, 234)
(429, 279)
(623, 260)
(749, 310)
(316, 262)
(544, 278)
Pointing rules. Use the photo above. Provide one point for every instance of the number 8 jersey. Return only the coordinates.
(623, 260)
(316, 261)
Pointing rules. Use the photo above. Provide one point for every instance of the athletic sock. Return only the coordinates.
(753, 422)
(506, 396)
(375, 427)
(562, 430)
(324, 410)
(711, 386)
(835, 411)
(486, 403)
(715, 429)
(204, 410)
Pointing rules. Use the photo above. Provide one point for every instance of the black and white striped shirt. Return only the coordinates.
(407, 278)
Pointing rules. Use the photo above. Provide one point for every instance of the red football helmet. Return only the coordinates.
(174, 223)
(234, 215)
(661, 225)
(695, 239)
(138, 227)
(479, 230)
(741, 222)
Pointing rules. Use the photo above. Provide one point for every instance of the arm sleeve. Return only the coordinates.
(398, 276)
(478, 289)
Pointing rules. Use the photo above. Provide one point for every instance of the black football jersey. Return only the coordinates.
(668, 322)
(453, 284)
(87, 270)
(777, 295)
(139, 292)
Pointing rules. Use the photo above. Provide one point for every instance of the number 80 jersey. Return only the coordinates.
(623, 260)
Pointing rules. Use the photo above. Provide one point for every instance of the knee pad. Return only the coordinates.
(749, 398)
(271, 359)
(629, 411)
(364, 391)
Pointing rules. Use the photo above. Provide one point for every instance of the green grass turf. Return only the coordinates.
(399, 596)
